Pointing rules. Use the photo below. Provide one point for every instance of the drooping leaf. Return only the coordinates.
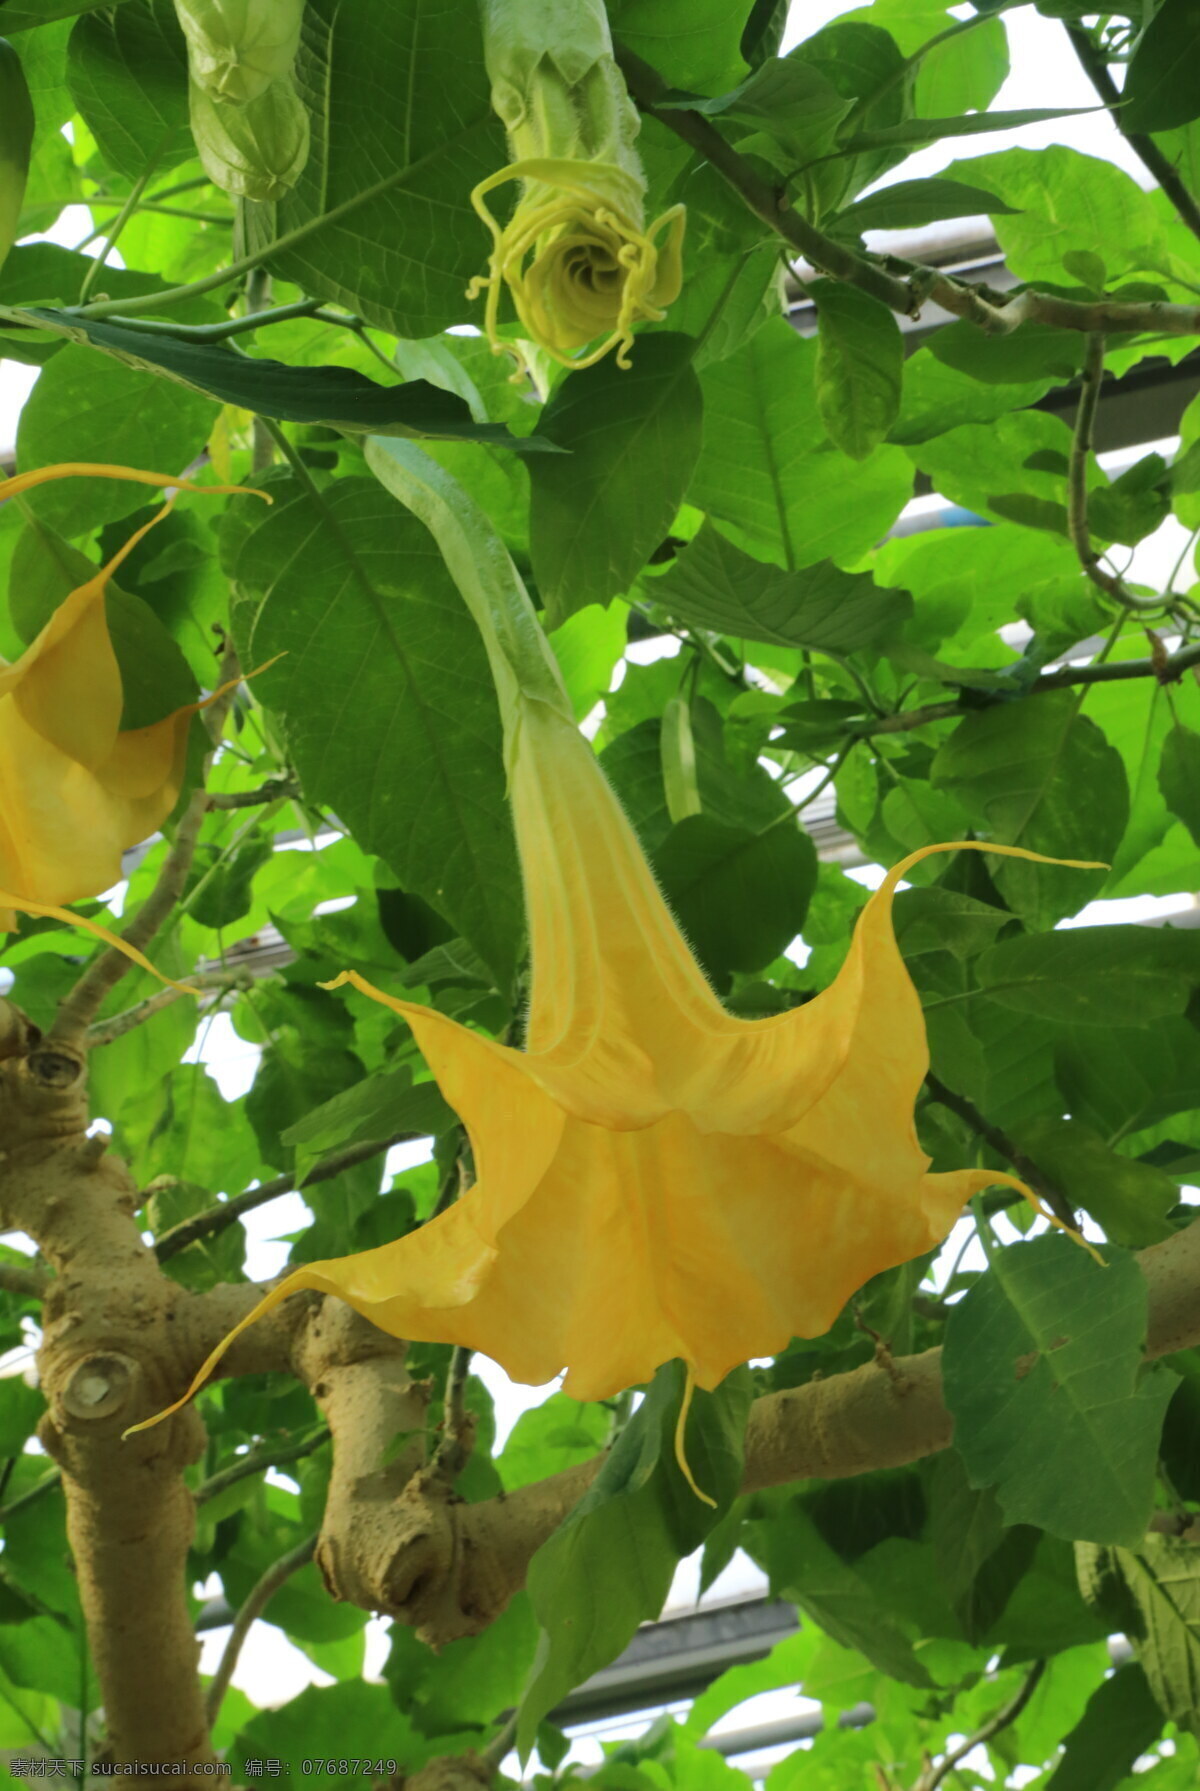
(631, 437)
(403, 258)
(860, 366)
(1120, 1722)
(768, 468)
(385, 695)
(909, 204)
(609, 1566)
(715, 585)
(1038, 774)
(385, 1102)
(337, 396)
(1042, 1369)
(1158, 93)
(127, 72)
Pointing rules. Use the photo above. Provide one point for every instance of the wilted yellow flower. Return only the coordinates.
(578, 260)
(576, 255)
(75, 790)
(656, 1178)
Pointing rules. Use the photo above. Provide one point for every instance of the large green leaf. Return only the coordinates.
(127, 71)
(860, 366)
(715, 585)
(631, 437)
(88, 407)
(1159, 92)
(788, 99)
(337, 396)
(383, 1103)
(1118, 1091)
(384, 694)
(1064, 201)
(1120, 1722)
(1161, 1578)
(1042, 1370)
(740, 896)
(803, 1567)
(1038, 774)
(909, 204)
(1179, 776)
(1094, 976)
(609, 1566)
(917, 131)
(393, 92)
(1129, 1199)
(768, 468)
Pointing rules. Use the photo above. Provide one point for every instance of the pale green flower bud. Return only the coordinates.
(576, 255)
(255, 151)
(237, 48)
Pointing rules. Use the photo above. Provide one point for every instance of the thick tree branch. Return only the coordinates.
(222, 1213)
(1144, 147)
(997, 313)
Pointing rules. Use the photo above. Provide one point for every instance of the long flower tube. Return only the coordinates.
(76, 790)
(656, 1177)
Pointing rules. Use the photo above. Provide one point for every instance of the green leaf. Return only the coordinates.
(1120, 1722)
(740, 896)
(1043, 1373)
(979, 1558)
(609, 1566)
(631, 437)
(1129, 1199)
(403, 259)
(339, 397)
(767, 467)
(1065, 202)
(1133, 506)
(713, 584)
(127, 72)
(1162, 1578)
(88, 407)
(293, 1077)
(1094, 976)
(385, 694)
(381, 1104)
(916, 131)
(1159, 93)
(23, 15)
(910, 204)
(785, 97)
(1033, 351)
(557, 1434)
(1035, 773)
(804, 1568)
(1118, 1091)
(860, 367)
(344, 1730)
(1179, 776)
(20, 1409)
(939, 919)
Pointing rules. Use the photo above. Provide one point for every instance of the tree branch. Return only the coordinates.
(449, 1569)
(997, 313)
(1007, 1714)
(222, 1213)
(105, 1031)
(1145, 148)
(256, 1602)
(25, 1283)
(1004, 1147)
(257, 1461)
(276, 789)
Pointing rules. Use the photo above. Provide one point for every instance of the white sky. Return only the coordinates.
(1045, 74)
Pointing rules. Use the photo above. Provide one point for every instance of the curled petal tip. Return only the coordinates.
(73, 469)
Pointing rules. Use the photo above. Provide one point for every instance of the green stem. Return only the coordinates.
(119, 222)
(230, 326)
(173, 295)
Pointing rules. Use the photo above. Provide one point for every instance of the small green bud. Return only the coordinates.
(237, 48)
(255, 151)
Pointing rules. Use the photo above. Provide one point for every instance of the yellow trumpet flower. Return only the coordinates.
(656, 1177)
(75, 790)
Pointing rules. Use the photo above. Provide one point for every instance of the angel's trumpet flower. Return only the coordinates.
(656, 1177)
(578, 260)
(75, 789)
